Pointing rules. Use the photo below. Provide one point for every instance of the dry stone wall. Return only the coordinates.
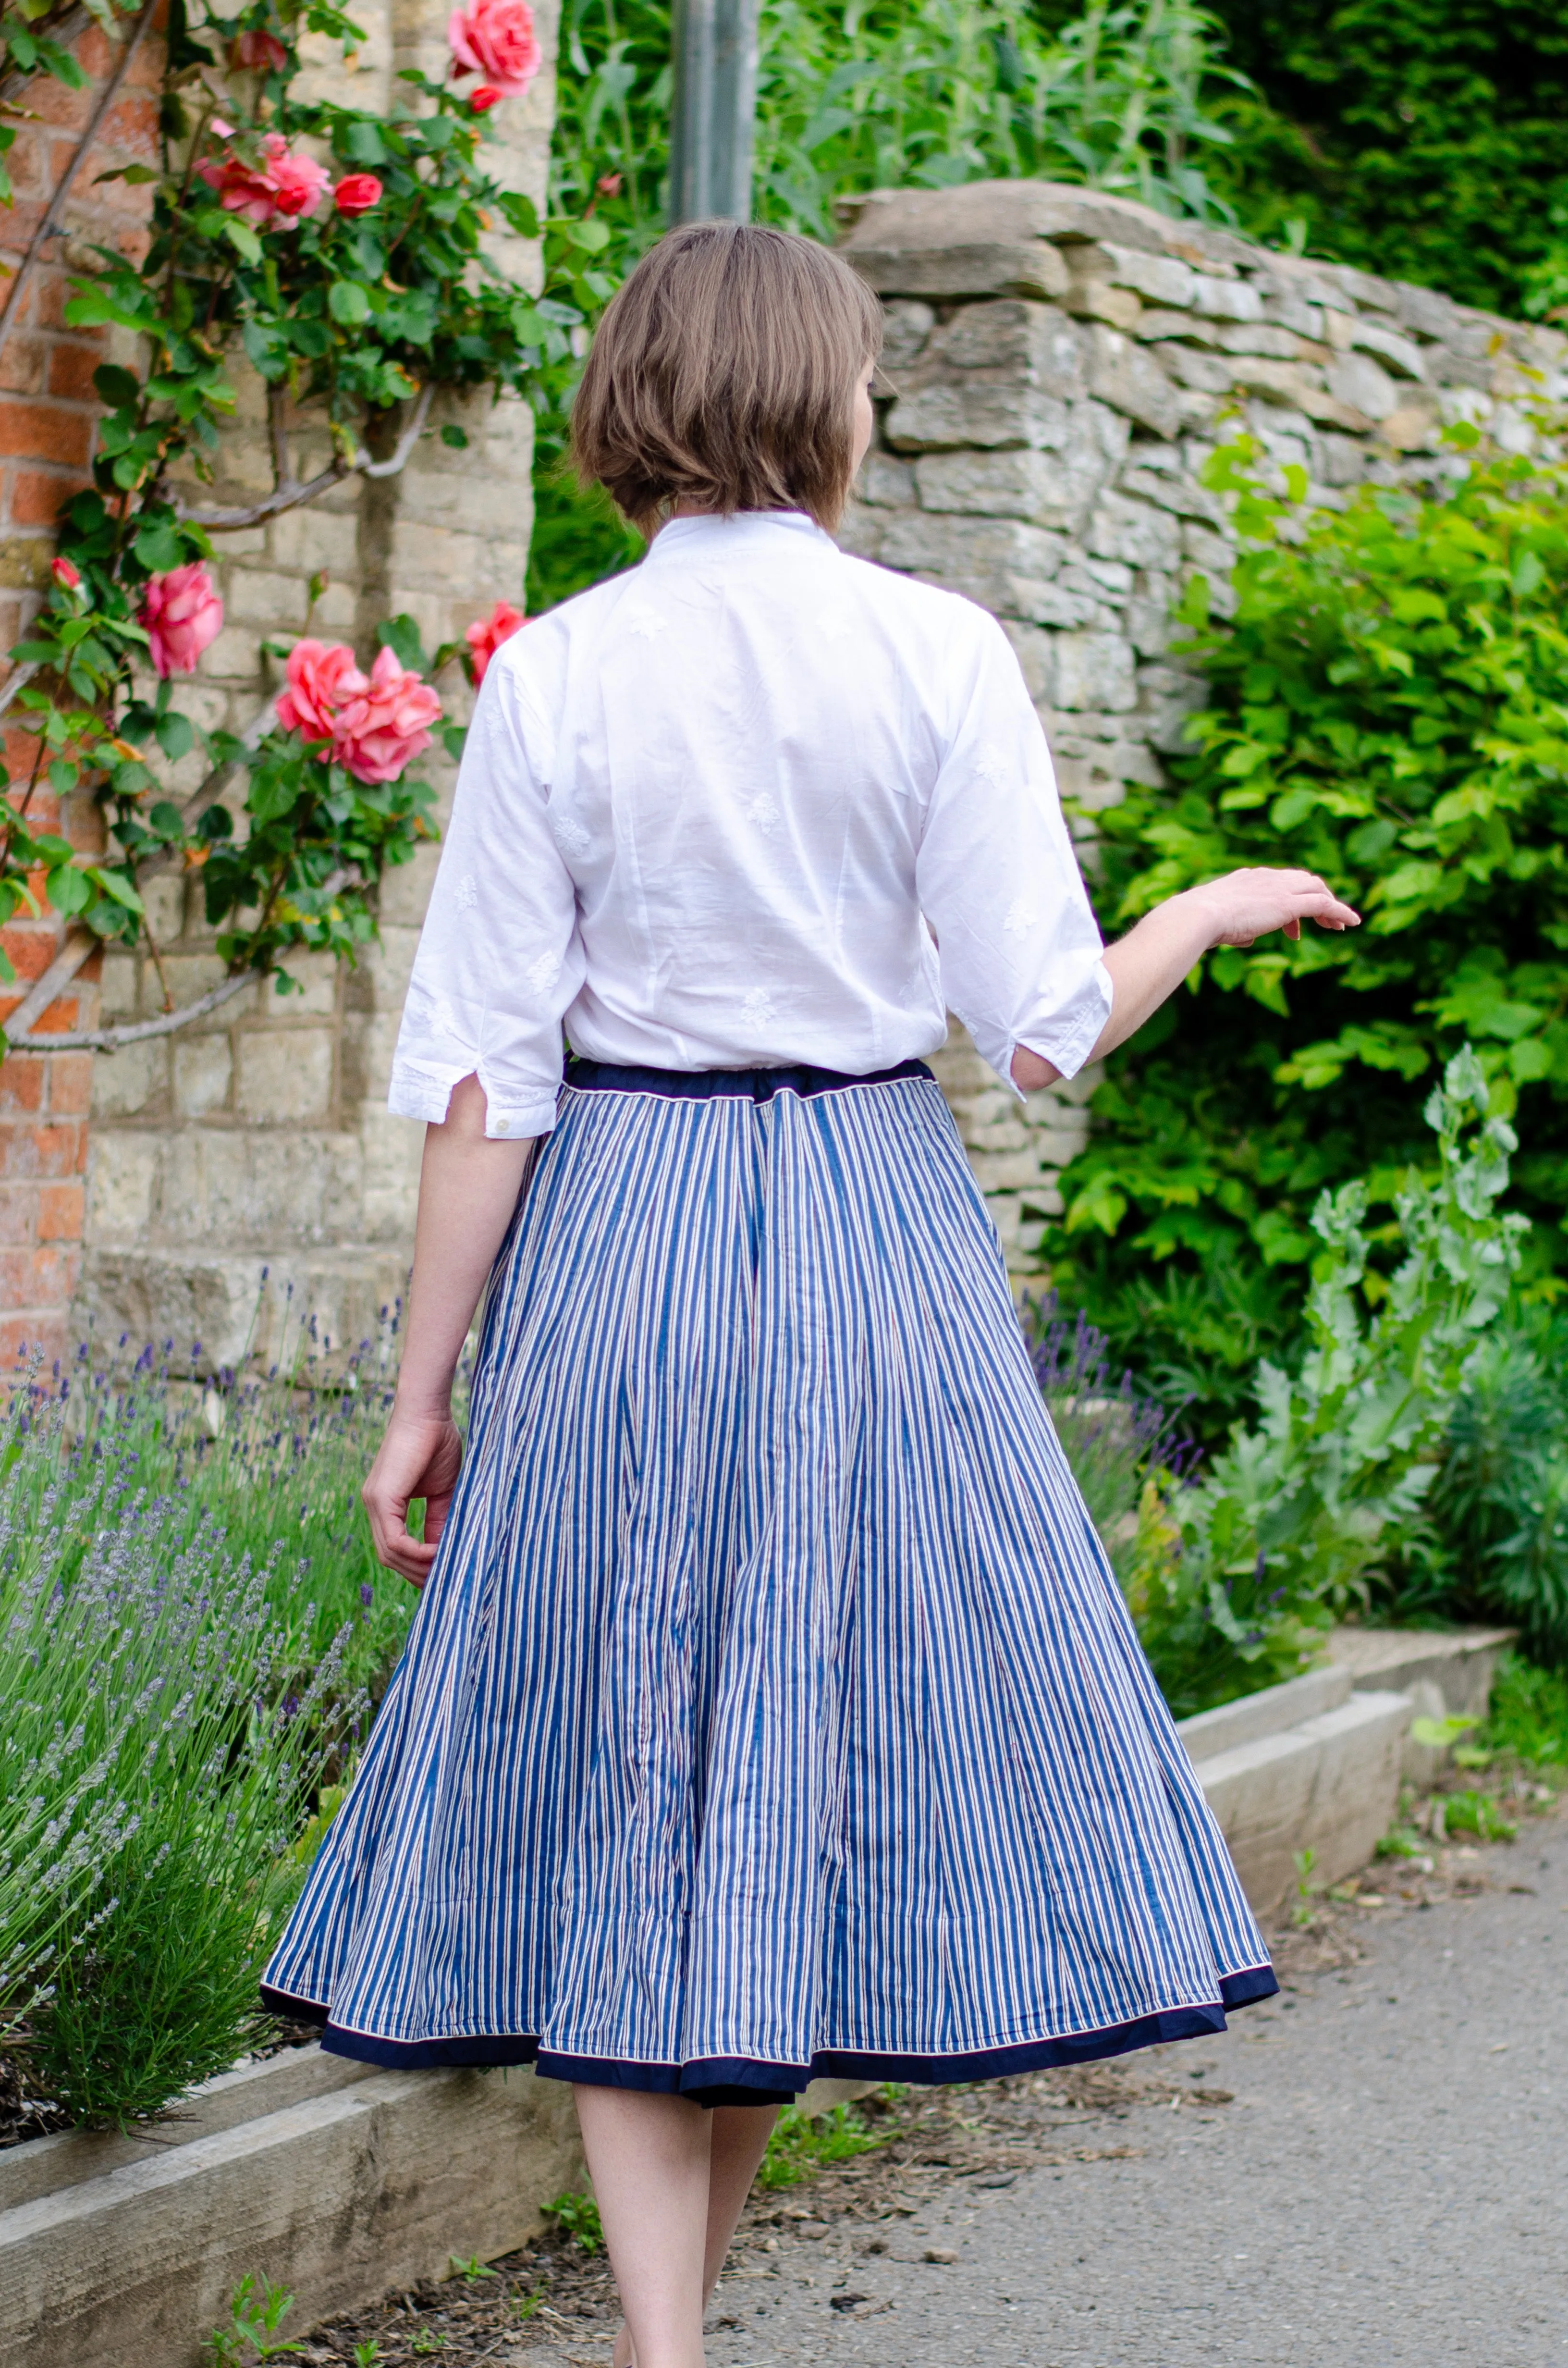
(1060, 366)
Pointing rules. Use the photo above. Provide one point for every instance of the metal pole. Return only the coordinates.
(713, 108)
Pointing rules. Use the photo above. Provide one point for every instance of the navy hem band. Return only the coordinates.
(738, 2080)
(727, 1085)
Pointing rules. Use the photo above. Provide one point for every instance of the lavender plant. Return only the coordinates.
(152, 1781)
(1113, 1437)
(275, 1460)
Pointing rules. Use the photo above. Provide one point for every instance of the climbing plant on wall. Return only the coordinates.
(342, 254)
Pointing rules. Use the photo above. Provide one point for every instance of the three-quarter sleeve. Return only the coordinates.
(998, 881)
(499, 958)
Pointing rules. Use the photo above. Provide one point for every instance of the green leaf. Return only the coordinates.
(158, 547)
(361, 143)
(70, 891)
(401, 635)
(242, 238)
(120, 389)
(457, 438)
(113, 884)
(349, 303)
(176, 735)
(520, 212)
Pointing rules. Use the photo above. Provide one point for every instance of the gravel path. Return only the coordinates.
(1388, 2185)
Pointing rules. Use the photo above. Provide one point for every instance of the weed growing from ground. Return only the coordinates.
(577, 2217)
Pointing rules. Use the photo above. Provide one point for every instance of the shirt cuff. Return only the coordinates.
(1067, 1039)
(509, 1116)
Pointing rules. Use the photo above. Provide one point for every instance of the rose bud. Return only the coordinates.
(64, 573)
(484, 98)
(356, 193)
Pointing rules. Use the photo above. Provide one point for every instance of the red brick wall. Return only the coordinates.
(48, 414)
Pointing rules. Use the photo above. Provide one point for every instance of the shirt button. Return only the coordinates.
(503, 1126)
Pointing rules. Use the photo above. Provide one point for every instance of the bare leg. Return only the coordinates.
(649, 2158)
(738, 2135)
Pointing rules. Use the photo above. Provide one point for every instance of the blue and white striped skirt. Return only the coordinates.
(771, 1710)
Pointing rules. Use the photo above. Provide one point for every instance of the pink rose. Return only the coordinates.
(65, 573)
(182, 613)
(282, 187)
(496, 39)
(486, 636)
(321, 676)
(383, 728)
(356, 193)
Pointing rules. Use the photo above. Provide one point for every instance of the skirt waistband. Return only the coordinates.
(734, 1085)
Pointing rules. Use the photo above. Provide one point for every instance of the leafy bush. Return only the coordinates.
(1296, 1520)
(1529, 1717)
(1386, 707)
(1418, 138)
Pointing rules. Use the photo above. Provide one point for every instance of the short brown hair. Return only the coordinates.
(722, 374)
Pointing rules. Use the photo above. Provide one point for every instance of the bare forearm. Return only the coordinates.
(468, 1190)
(1149, 963)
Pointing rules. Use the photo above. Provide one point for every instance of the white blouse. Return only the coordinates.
(753, 803)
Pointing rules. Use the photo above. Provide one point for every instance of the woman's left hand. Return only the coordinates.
(1245, 905)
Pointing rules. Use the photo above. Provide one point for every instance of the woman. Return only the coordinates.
(772, 1709)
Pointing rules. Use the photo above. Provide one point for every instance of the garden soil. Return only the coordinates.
(1369, 2169)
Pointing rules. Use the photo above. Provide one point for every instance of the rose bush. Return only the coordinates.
(344, 251)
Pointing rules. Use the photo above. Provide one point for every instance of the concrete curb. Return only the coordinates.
(1317, 1763)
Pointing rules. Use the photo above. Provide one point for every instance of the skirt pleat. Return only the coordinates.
(772, 1709)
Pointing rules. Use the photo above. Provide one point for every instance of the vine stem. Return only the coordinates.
(57, 203)
(109, 1039)
(292, 493)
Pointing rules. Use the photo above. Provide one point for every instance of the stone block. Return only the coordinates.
(164, 897)
(952, 414)
(122, 1178)
(1225, 299)
(1097, 300)
(885, 483)
(1162, 278)
(1006, 214)
(283, 1075)
(118, 986)
(1128, 378)
(906, 324)
(313, 994)
(1094, 670)
(229, 1187)
(1166, 695)
(133, 1082)
(1362, 385)
(1206, 548)
(999, 563)
(993, 267)
(1032, 485)
(1035, 342)
(1134, 533)
(313, 538)
(203, 1066)
(1036, 652)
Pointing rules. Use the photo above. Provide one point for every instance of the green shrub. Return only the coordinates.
(1387, 707)
(1529, 1717)
(1295, 1521)
(1422, 139)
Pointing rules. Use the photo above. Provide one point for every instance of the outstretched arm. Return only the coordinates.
(468, 1189)
(1151, 961)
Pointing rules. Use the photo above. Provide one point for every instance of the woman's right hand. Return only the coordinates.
(420, 1456)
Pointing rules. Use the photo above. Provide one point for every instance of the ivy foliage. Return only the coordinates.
(1387, 707)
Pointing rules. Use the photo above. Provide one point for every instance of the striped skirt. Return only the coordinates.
(771, 1710)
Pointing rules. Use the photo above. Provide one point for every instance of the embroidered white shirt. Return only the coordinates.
(753, 803)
